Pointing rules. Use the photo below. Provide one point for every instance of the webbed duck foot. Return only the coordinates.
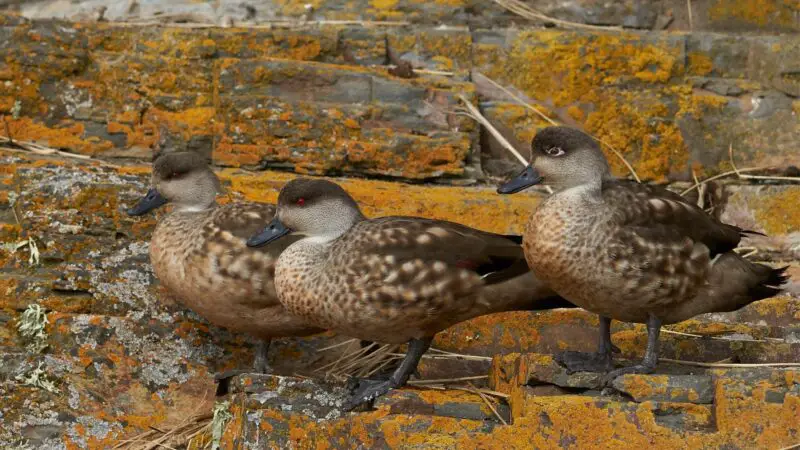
(367, 391)
(584, 362)
(638, 368)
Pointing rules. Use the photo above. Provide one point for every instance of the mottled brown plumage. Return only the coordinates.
(393, 279)
(202, 259)
(198, 252)
(628, 251)
(649, 253)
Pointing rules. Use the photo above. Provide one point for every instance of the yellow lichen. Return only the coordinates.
(759, 12)
(699, 64)
(383, 4)
(580, 72)
(779, 213)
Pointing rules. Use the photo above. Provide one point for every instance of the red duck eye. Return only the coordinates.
(301, 201)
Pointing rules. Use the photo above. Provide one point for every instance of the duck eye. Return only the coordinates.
(554, 151)
(300, 201)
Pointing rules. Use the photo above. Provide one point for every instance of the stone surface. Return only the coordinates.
(771, 16)
(531, 369)
(319, 99)
(766, 399)
(646, 84)
(456, 404)
(667, 388)
(122, 357)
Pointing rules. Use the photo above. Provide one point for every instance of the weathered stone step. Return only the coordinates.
(125, 357)
(591, 421)
(671, 382)
(737, 16)
(744, 336)
(680, 99)
(282, 411)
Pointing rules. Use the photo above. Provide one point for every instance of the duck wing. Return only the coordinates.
(494, 257)
(420, 266)
(657, 214)
(242, 220)
(224, 235)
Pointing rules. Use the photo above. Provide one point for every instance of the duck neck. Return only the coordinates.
(337, 220)
(205, 205)
(590, 190)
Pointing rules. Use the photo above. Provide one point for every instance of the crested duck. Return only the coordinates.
(198, 253)
(628, 251)
(391, 279)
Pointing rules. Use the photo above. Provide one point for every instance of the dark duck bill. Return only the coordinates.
(149, 202)
(274, 231)
(524, 180)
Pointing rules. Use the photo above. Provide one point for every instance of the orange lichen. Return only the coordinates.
(699, 64)
(296, 7)
(383, 4)
(7, 288)
(774, 307)
(779, 213)
(600, 79)
(115, 127)
(576, 113)
(716, 328)
(68, 135)
(758, 12)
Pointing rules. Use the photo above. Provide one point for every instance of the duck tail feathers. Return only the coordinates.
(745, 233)
(770, 281)
(743, 281)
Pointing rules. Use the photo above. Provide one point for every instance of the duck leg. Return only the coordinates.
(648, 364)
(261, 359)
(260, 365)
(369, 390)
(387, 371)
(591, 362)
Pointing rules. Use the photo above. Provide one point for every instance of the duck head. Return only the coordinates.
(314, 208)
(562, 158)
(183, 179)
